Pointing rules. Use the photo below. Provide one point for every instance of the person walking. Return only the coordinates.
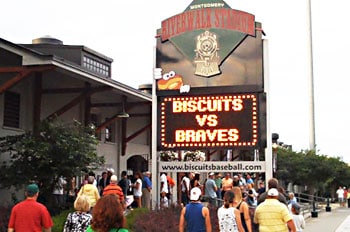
(91, 191)
(218, 182)
(251, 195)
(345, 196)
(273, 215)
(243, 208)
(340, 194)
(102, 183)
(229, 218)
(194, 215)
(124, 183)
(58, 193)
(137, 187)
(30, 214)
(272, 183)
(291, 200)
(261, 188)
(107, 218)
(249, 179)
(110, 172)
(146, 190)
(226, 184)
(164, 201)
(210, 189)
(171, 185)
(79, 220)
(114, 188)
(298, 219)
(185, 189)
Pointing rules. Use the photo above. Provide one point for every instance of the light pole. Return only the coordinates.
(274, 158)
(312, 145)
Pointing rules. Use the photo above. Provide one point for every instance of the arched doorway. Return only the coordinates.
(137, 163)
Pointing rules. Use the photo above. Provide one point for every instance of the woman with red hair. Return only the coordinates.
(106, 218)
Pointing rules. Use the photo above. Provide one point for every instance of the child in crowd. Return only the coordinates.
(298, 219)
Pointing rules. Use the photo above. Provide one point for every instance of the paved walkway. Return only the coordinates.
(337, 220)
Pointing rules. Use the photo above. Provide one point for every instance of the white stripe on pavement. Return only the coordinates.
(345, 226)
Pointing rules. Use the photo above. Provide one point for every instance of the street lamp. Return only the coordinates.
(274, 157)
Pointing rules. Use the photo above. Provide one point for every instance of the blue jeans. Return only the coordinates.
(184, 198)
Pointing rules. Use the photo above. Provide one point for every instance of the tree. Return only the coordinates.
(320, 173)
(57, 149)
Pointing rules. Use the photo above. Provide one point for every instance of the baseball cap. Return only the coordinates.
(273, 192)
(296, 206)
(211, 174)
(195, 194)
(32, 189)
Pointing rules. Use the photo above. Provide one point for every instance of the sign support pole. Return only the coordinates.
(155, 172)
(268, 150)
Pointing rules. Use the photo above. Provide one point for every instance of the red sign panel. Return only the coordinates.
(220, 18)
(208, 121)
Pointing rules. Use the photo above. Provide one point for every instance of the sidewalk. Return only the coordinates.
(338, 220)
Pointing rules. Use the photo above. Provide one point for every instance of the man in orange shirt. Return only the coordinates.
(114, 188)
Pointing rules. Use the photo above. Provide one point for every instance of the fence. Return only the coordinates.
(311, 204)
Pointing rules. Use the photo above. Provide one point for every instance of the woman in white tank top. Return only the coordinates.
(228, 216)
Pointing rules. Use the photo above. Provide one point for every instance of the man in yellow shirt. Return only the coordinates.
(272, 215)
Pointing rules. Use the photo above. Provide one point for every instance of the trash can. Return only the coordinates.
(348, 202)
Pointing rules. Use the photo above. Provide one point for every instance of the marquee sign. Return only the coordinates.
(208, 121)
(209, 45)
(210, 91)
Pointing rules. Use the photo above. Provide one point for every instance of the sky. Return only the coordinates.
(125, 31)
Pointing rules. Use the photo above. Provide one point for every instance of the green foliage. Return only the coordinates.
(59, 220)
(319, 172)
(56, 149)
(133, 215)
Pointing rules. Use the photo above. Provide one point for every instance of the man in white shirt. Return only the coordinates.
(185, 189)
(164, 189)
(58, 192)
(340, 193)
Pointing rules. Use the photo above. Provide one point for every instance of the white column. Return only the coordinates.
(268, 150)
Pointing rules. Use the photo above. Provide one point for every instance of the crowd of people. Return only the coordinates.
(240, 205)
(92, 206)
(244, 209)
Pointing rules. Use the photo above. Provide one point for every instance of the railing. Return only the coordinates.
(310, 203)
(205, 200)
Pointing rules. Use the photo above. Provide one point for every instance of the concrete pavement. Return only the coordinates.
(337, 220)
